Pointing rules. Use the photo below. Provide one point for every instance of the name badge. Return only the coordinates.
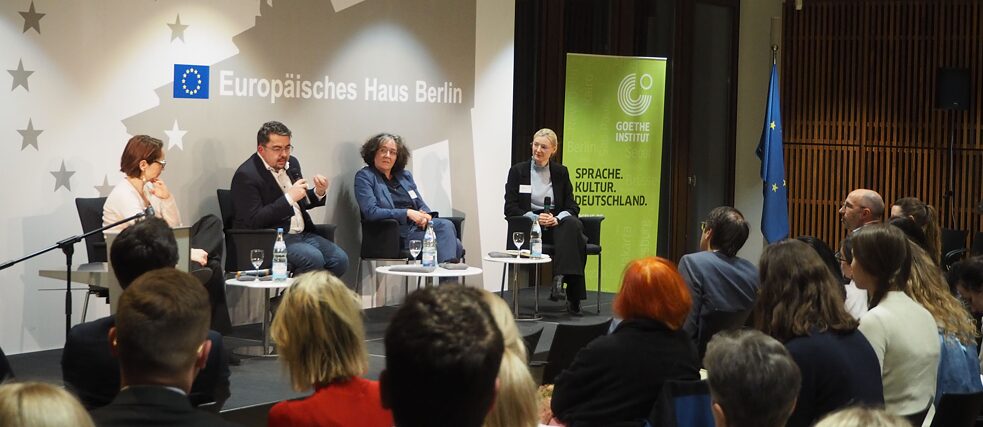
(525, 189)
(412, 194)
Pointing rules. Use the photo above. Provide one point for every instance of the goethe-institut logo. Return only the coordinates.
(629, 98)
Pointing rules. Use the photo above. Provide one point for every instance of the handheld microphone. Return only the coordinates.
(149, 212)
(547, 204)
(295, 176)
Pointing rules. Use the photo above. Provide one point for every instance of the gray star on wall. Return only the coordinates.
(63, 177)
(32, 19)
(105, 188)
(20, 76)
(29, 136)
(177, 29)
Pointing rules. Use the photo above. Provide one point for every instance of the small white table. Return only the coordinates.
(264, 350)
(431, 275)
(515, 262)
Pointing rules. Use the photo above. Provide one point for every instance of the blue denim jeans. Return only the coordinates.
(309, 251)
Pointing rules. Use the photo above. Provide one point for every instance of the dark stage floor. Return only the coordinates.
(257, 382)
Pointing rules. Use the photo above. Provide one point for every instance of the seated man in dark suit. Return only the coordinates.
(717, 279)
(443, 351)
(88, 367)
(269, 191)
(161, 339)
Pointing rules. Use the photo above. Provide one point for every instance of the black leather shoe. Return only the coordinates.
(556, 291)
(573, 307)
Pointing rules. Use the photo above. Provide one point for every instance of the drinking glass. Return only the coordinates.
(518, 238)
(415, 247)
(256, 257)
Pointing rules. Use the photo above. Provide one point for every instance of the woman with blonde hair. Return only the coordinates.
(859, 416)
(516, 403)
(319, 333)
(35, 404)
(925, 216)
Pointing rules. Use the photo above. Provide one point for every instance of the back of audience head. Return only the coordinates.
(161, 329)
(319, 332)
(881, 260)
(926, 217)
(927, 287)
(726, 230)
(798, 294)
(651, 288)
(966, 277)
(859, 416)
(443, 352)
(912, 231)
(147, 245)
(825, 253)
(845, 258)
(516, 404)
(753, 379)
(35, 404)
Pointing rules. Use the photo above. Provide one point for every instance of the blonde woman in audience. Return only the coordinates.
(320, 336)
(34, 404)
(517, 402)
(959, 364)
(859, 416)
(901, 331)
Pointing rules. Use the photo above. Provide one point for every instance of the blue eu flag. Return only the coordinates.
(774, 213)
(190, 81)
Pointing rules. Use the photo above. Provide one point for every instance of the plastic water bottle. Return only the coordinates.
(279, 257)
(536, 241)
(429, 247)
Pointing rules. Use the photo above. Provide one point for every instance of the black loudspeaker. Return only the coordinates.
(952, 89)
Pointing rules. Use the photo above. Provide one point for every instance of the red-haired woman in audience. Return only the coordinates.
(618, 377)
(902, 332)
(926, 217)
(319, 333)
(800, 305)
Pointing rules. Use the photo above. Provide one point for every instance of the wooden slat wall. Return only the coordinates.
(858, 94)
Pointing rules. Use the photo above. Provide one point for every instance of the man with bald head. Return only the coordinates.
(861, 207)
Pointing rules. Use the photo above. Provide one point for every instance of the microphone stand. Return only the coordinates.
(68, 247)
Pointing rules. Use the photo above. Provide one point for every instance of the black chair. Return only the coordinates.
(90, 215)
(567, 341)
(683, 404)
(958, 410)
(716, 321)
(953, 246)
(381, 242)
(977, 248)
(592, 229)
(238, 242)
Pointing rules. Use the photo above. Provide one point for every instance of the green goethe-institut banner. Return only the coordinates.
(612, 145)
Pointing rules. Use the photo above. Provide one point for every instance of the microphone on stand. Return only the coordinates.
(149, 212)
(294, 177)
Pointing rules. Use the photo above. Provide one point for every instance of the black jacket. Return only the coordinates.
(618, 377)
(259, 200)
(153, 406)
(517, 204)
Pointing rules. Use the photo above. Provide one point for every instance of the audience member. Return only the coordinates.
(859, 416)
(926, 217)
(161, 339)
(861, 207)
(826, 255)
(912, 231)
(384, 189)
(856, 298)
(618, 377)
(6, 372)
(902, 332)
(142, 164)
(34, 404)
(443, 352)
(89, 369)
(718, 280)
(753, 379)
(799, 306)
(517, 402)
(959, 364)
(321, 340)
(966, 277)
(269, 192)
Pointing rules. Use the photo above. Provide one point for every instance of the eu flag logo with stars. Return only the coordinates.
(190, 81)
(774, 213)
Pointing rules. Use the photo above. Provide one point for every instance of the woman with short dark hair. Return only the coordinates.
(800, 305)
